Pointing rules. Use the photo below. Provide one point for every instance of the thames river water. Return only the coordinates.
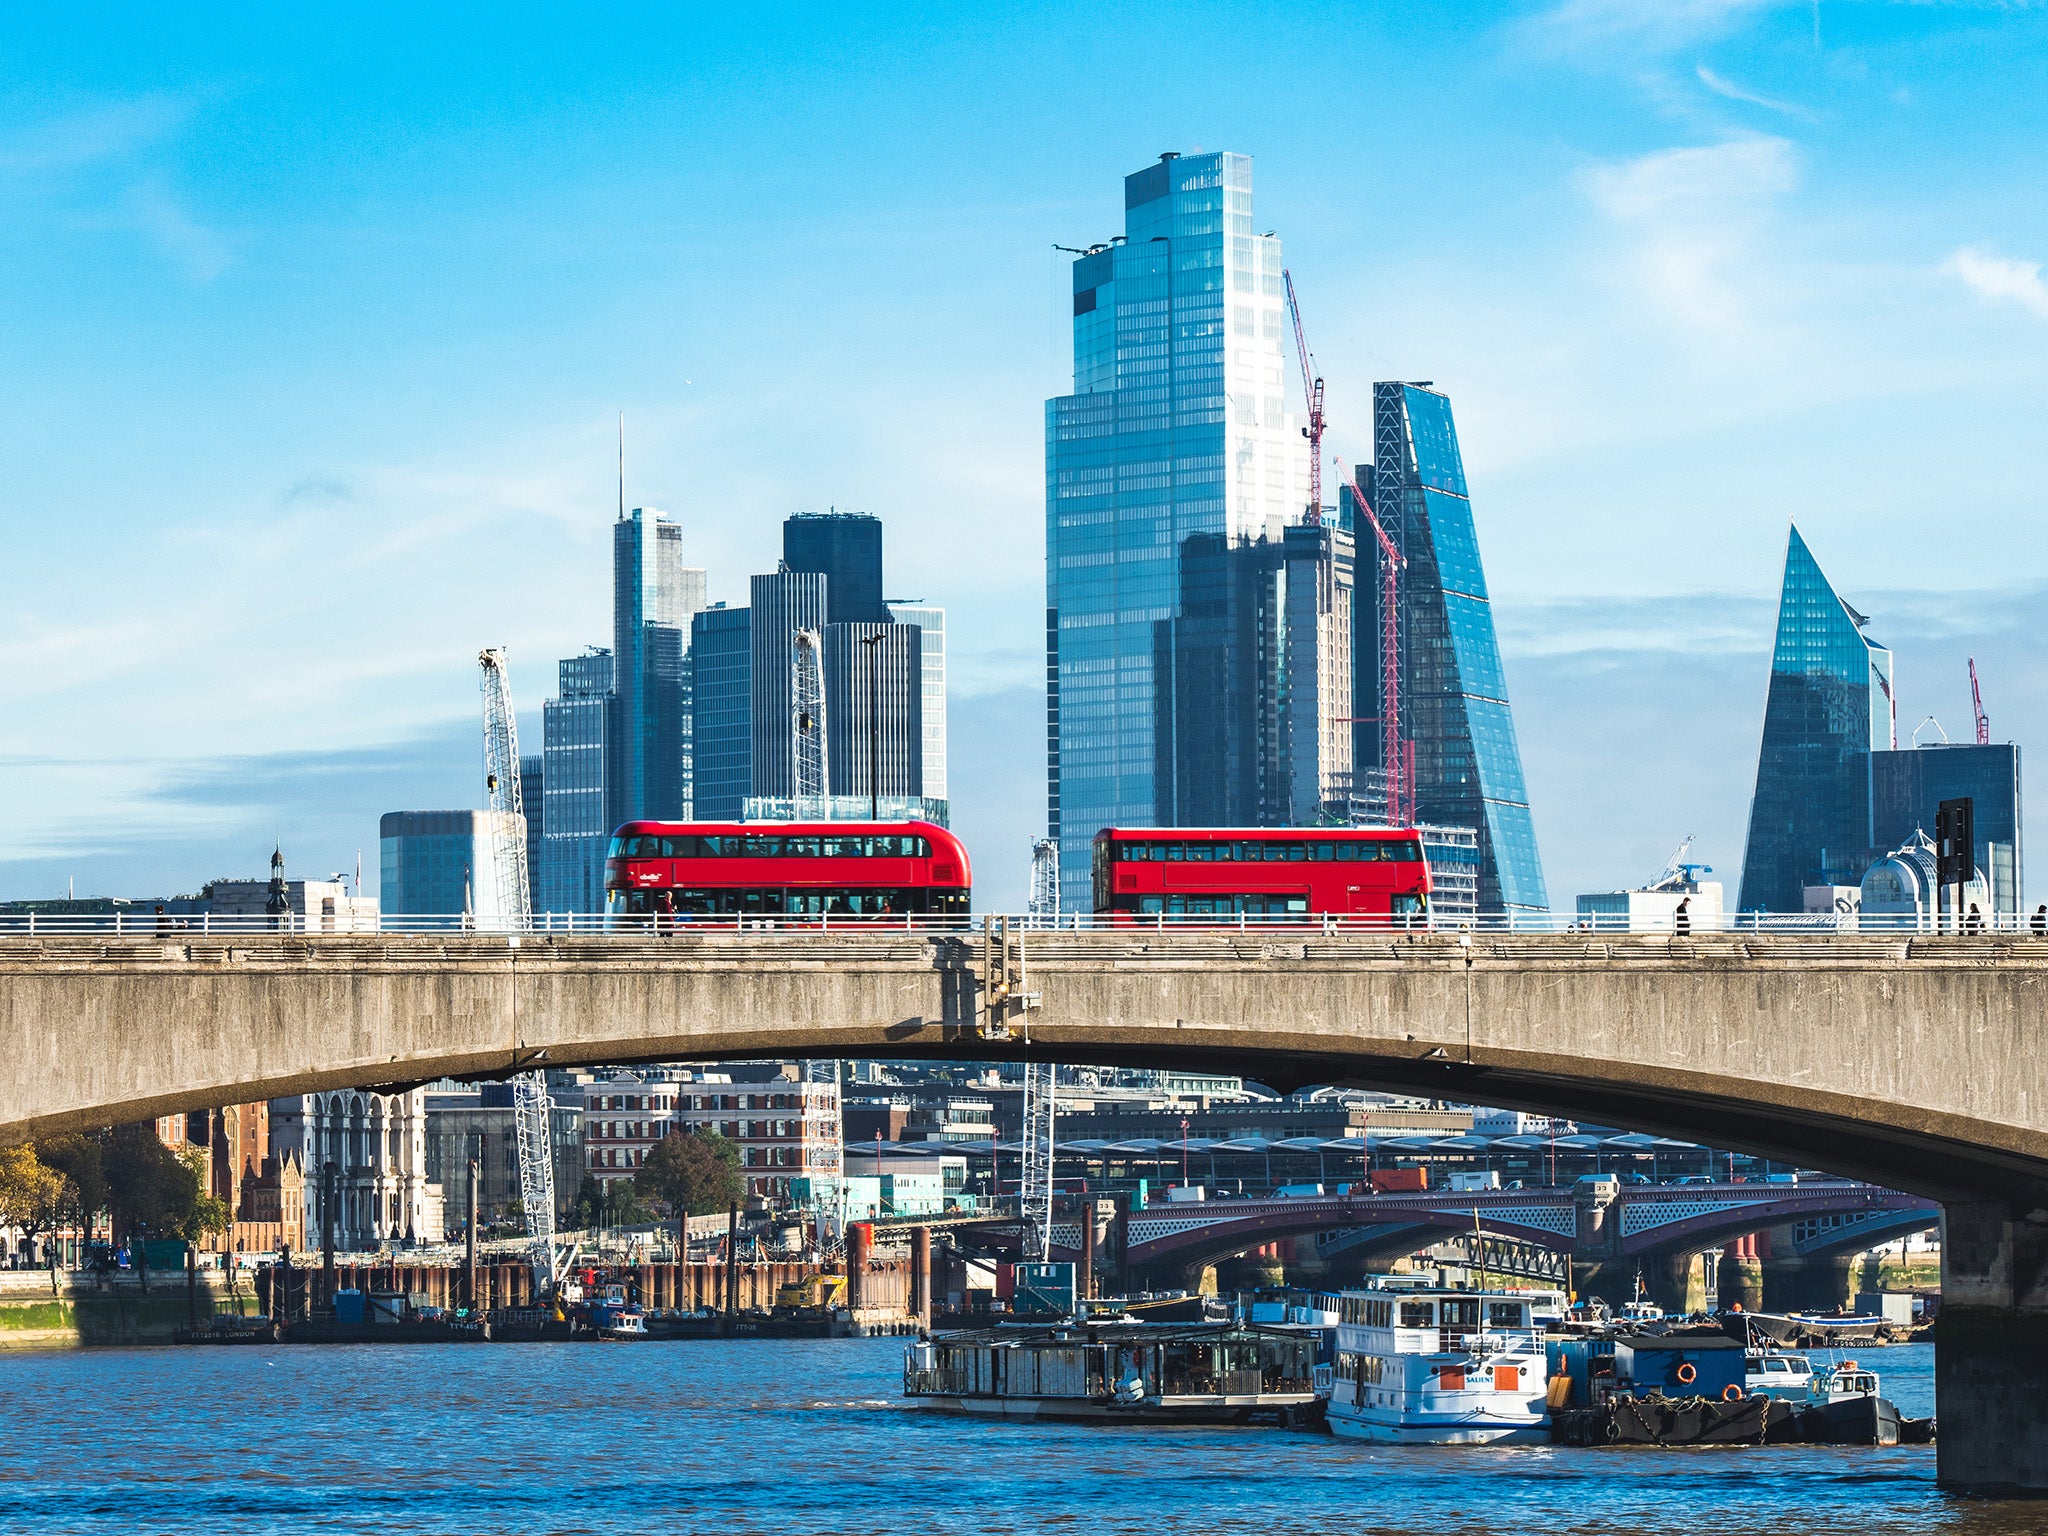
(796, 1437)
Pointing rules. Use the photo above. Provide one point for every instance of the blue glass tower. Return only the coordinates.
(1178, 425)
(1829, 708)
(654, 597)
(1454, 692)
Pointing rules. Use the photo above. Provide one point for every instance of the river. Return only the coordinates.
(797, 1437)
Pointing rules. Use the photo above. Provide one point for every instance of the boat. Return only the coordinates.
(1776, 1374)
(609, 1315)
(1118, 1372)
(1440, 1367)
(1844, 1407)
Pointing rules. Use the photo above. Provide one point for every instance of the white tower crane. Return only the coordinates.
(810, 779)
(530, 1107)
(1045, 881)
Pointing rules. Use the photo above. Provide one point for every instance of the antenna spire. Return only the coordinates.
(622, 466)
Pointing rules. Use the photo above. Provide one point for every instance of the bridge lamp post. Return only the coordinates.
(1183, 1151)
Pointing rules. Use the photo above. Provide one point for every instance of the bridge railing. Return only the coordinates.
(141, 922)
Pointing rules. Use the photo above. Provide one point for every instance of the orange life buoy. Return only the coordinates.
(1687, 1375)
(1731, 1394)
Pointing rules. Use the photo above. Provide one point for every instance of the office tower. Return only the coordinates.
(1262, 675)
(1178, 425)
(654, 596)
(1466, 768)
(533, 805)
(1907, 786)
(721, 702)
(846, 549)
(439, 863)
(930, 621)
(783, 604)
(1829, 708)
(874, 690)
(577, 728)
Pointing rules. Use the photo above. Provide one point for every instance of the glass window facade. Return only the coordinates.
(1454, 692)
(577, 729)
(1178, 426)
(654, 597)
(931, 654)
(1908, 786)
(783, 603)
(438, 863)
(721, 701)
(846, 549)
(1829, 707)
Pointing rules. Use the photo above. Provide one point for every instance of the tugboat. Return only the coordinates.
(1773, 1373)
(609, 1315)
(1439, 1367)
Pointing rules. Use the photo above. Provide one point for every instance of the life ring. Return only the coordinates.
(1731, 1393)
(1687, 1373)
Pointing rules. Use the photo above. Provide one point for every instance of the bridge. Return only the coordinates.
(1910, 1061)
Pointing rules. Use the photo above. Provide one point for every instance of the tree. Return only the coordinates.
(601, 1203)
(693, 1173)
(149, 1187)
(32, 1197)
(77, 1158)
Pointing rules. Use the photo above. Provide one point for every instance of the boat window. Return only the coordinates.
(1777, 1365)
(1461, 1313)
(1505, 1314)
(1418, 1314)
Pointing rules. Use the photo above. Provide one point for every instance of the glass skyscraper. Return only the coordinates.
(783, 603)
(721, 702)
(1178, 425)
(1908, 786)
(1467, 767)
(654, 597)
(1829, 708)
(846, 549)
(577, 728)
(930, 622)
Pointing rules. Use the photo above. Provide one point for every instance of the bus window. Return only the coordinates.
(1408, 852)
(1297, 853)
(1325, 852)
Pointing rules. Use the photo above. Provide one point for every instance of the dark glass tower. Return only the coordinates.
(1454, 691)
(1908, 786)
(721, 701)
(1828, 709)
(846, 549)
(654, 596)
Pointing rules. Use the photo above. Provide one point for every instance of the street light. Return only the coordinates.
(1183, 1151)
(874, 724)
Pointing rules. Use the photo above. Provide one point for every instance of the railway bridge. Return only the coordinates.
(1909, 1061)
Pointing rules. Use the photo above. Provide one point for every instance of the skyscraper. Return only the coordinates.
(930, 621)
(1178, 425)
(874, 693)
(577, 727)
(846, 549)
(654, 596)
(1907, 786)
(721, 703)
(1829, 708)
(783, 603)
(1262, 673)
(1467, 768)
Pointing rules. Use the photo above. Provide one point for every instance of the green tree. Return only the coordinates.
(32, 1197)
(77, 1157)
(693, 1173)
(149, 1188)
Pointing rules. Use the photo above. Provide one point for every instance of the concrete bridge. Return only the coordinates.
(1909, 1061)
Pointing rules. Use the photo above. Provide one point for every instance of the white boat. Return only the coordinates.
(1440, 1367)
(1767, 1373)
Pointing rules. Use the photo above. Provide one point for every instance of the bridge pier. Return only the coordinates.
(1807, 1284)
(1991, 1348)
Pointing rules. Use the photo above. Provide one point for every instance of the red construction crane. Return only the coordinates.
(1977, 706)
(1312, 389)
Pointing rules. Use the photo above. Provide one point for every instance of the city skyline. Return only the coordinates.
(1709, 241)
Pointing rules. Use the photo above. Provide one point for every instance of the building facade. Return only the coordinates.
(783, 603)
(785, 1129)
(654, 597)
(846, 549)
(439, 863)
(1178, 425)
(465, 1121)
(1907, 787)
(1828, 710)
(874, 696)
(569, 876)
(1465, 767)
(721, 699)
(1262, 675)
(376, 1147)
(929, 620)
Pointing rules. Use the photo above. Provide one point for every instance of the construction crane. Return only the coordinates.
(1977, 708)
(530, 1107)
(1035, 1188)
(1045, 879)
(1312, 390)
(810, 779)
(1677, 873)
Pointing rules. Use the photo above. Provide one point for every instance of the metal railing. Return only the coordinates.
(143, 925)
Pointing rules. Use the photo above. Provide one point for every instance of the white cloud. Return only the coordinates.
(1720, 85)
(1662, 25)
(1687, 219)
(2001, 279)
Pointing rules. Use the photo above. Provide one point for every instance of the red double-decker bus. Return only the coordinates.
(713, 869)
(1218, 872)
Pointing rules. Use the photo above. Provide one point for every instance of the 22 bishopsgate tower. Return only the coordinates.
(1212, 642)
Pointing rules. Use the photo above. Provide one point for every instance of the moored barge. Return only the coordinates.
(1118, 1372)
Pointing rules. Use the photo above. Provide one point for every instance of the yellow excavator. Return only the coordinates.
(813, 1292)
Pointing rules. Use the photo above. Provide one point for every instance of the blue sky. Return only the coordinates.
(314, 328)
